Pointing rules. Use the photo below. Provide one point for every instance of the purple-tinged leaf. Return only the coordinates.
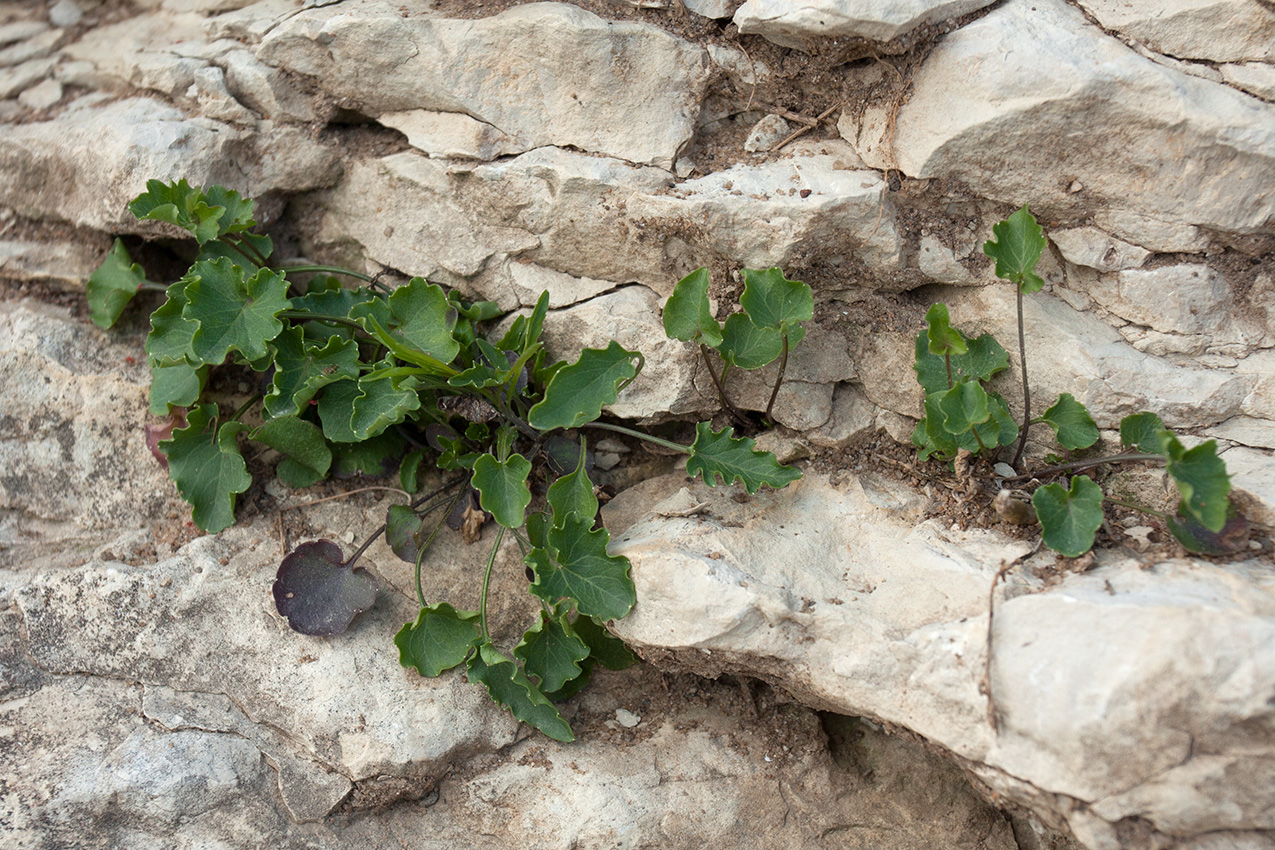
(318, 592)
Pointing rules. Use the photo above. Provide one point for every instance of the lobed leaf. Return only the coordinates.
(984, 358)
(1069, 518)
(302, 369)
(606, 648)
(577, 393)
(1073, 427)
(419, 315)
(306, 456)
(511, 689)
(582, 570)
(573, 493)
(1017, 248)
(963, 407)
(687, 313)
(747, 346)
(382, 402)
(205, 464)
(171, 332)
(175, 384)
(551, 651)
(206, 213)
(502, 488)
(234, 313)
(336, 410)
(318, 592)
(772, 301)
(439, 639)
(719, 456)
(943, 338)
(1202, 480)
(113, 285)
(1143, 432)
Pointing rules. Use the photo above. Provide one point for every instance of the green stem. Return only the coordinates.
(148, 286)
(1133, 505)
(779, 379)
(491, 559)
(329, 269)
(1128, 457)
(620, 429)
(243, 408)
(307, 316)
(429, 541)
(261, 259)
(947, 359)
(721, 390)
(1027, 396)
(982, 449)
(238, 247)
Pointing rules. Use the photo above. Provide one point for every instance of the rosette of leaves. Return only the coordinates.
(765, 330)
(367, 380)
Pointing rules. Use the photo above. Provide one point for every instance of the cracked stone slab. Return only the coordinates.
(203, 620)
(85, 165)
(1212, 30)
(541, 74)
(1005, 104)
(1132, 690)
(803, 24)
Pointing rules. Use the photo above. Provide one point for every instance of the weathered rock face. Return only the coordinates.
(601, 151)
(807, 590)
(541, 74)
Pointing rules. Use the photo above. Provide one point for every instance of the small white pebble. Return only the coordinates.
(1004, 470)
(626, 718)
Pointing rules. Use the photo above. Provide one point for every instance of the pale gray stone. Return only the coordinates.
(1246, 430)
(803, 24)
(65, 13)
(148, 51)
(1085, 673)
(21, 31)
(17, 79)
(1256, 78)
(543, 73)
(86, 165)
(42, 95)
(766, 133)
(33, 47)
(1188, 298)
(1090, 247)
(711, 8)
(451, 134)
(68, 263)
(1213, 30)
(264, 89)
(528, 280)
(215, 100)
(251, 23)
(1011, 94)
(853, 419)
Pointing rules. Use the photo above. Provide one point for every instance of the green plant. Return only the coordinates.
(962, 415)
(367, 380)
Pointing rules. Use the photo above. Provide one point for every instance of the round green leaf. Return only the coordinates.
(687, 313)
(502, 488)
(1069, 518)
(1017, 248)
(439, 639)
(1073, 427)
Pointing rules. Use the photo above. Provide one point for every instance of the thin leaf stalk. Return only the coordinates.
(1076, 466)
(328, 270)
(721, 390)
(491, 559)
(779, 379)
(620, 429)
(429, 541)
(1027, 396)
(1135, 506)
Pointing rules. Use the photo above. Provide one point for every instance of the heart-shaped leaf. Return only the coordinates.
(113, 285)
(306, 456)
(551, 651)
(747, 346)
(687, 314)
(503, 487)
(1017, 249)
(1202, 480)
(318, 592)
(403, 527)
(719, 456)
(577, 393)
(772, 301)
(983, 358)
(1073, 427)
(943, 338)
(1069, 518)
(205, 464)
(1143, 432)
(439, 639)
(582, 570)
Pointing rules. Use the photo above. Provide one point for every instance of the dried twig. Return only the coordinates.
(801, 131)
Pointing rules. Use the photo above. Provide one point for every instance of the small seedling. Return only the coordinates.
(369, 380)
(962, 415)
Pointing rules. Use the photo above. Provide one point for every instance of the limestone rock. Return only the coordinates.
(543, 74)
(451, 135)
(264, 89)
(67, 263)
(1015, 90)
(1212, 30)
(764, 215)
(766, 133)
(853, 419)
(1256, 78)
(801, 24)
(1089, 246)
(72, 449)
(711, 8)
(1085, 674)
(17, 79)
(85, 165)
(148, 51)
